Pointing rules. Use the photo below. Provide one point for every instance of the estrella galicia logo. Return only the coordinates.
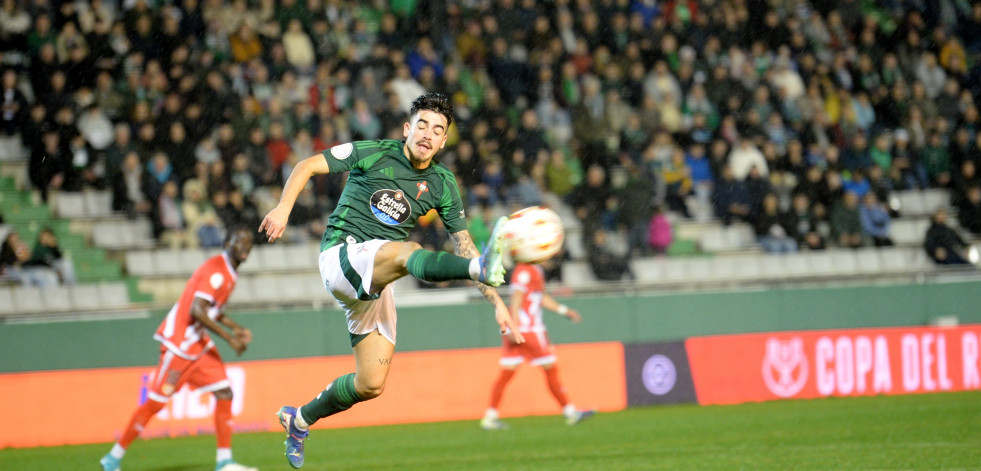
(390, 206)
(659, 375)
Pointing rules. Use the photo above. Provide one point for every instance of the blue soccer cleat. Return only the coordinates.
(491, 260)
(109, 463)
(294, 436)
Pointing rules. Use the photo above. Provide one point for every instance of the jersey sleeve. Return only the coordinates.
(451, 205)
(521, 279)
(357, 154)
(210, 283)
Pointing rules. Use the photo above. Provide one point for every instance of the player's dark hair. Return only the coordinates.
(434, 101)
(231, 233)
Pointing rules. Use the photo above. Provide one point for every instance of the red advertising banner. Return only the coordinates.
(440, 385)
(731, 369)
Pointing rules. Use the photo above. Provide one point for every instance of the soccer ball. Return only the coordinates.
(533, 234)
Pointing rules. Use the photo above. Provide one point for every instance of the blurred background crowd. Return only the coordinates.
(797, 117)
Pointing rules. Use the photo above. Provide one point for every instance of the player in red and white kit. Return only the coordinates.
(188, 355)
(528, 297)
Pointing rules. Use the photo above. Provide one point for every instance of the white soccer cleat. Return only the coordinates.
(492, 423)
(229, 465)
(579, 416)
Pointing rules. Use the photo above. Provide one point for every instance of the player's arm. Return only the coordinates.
(274, 224)
(552, 304)
(463, 246)
(199, 310)
(242, 333)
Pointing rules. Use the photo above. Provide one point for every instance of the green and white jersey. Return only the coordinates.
(385, 194)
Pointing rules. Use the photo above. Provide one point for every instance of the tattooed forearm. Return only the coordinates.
(463, 244)
(464, 247)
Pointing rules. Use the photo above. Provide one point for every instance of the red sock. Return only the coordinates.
(140, 418)
(552, 375)
(502, 382)
(223, 422)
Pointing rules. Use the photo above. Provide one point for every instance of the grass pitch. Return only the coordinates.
(929, 432)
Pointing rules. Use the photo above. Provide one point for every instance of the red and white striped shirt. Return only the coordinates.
(528, 281)
(179, 332)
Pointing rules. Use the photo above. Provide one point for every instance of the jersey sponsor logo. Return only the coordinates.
(342, 151)
(659, 375)
(462, 214)
(785, 366)
(390, 206)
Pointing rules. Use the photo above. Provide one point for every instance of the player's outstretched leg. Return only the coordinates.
(491, 259)
(294, 436)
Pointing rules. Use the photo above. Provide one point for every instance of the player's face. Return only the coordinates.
(240, 245)
(425, 134)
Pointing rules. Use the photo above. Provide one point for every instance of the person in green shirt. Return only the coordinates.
(364, 249)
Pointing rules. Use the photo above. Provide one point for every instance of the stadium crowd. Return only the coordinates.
(798, 117)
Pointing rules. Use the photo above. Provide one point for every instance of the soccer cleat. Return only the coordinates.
(579, 416)
(109, 463)
(491, 260)
(229, 465)
(294, 436)
(492, 423)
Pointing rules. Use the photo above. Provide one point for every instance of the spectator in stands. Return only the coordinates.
(774, 230)
(969, 210)
(47, 254)
(50, 163)
(965, 178)
(15, 262)
(200, 216)
(943, 244)
(13, 104)
(846, 224)
(590, 199)
(744, 157)
(936, 161)
(659, 232)
(677, 181)
(606, 265)
(129, 185)
(730, 199)
(875, 219)
(805, 223)
(169, 221)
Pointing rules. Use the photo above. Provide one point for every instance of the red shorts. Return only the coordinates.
(206, 374)
(536, 349)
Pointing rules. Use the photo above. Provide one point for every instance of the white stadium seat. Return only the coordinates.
(27, 300)
(57, 299)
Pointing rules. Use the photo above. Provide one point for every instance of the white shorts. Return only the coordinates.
(346, 271)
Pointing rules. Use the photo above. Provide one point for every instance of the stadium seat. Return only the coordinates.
(57, 299)
(243, 292)
(113, 295)
(867, 261)
(191, 259)
(772, 266)
(86, 297)
(713, 239)
(273, 257)
(294, 289)
(911, 203)
(299, 257)
(699, 269)
(6, 300)
(98, 203)
(743, 267)
(140, 262)
(69, 205)
(895, 260)
(648, 269)
(28, 300)
(820, 263)
(796, 265)
(934, 199)
(266, 289)
(167, 262)
(574, 243)
(909, 231)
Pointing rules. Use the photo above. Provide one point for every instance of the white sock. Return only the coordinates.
(117, 451)
(569, 410)
(223, 454)
(491, 413)
(475, 268)
(299, 422)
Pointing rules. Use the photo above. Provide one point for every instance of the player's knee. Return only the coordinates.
(369, 389)
(406, 250)
(224, 394)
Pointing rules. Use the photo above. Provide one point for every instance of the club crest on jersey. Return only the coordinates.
(422, 189)
(390, 206)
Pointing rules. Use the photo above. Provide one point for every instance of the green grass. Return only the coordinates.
(939, 431)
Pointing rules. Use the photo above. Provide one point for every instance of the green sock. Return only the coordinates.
(338, 397)
(438, 266)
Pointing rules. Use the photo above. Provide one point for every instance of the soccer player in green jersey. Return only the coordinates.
(364, 249)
